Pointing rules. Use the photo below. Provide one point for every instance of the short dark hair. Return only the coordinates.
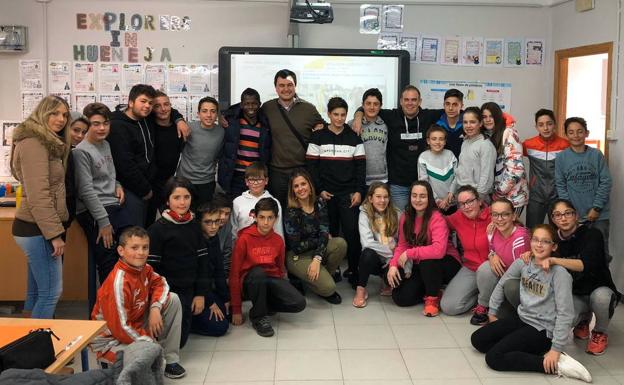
(548, 228)
(159, 93)
(454, 93)
(134, 231)
(207, 99)
(284, 74)
(468, 188)
(250, 92)
(177, 181)
(207, 209)
(574, 119)
(257, 170)
(222, 201)
(475, 111)
(372, 92)
(544, 111)
(336, 102)
(557, 201)
(141, 89)
(410, 87)
(267, 204)
(434, 128)
(93, 109)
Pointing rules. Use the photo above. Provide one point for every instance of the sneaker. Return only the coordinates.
(597, 344)
(174, 371)
(581, 330)
(263, 327)
(480, 316)
(337, 276)
(334, 299)
(571, 368)
(432, 306)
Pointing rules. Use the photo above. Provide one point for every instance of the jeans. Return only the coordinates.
(137, 208)
(45, 276)
(400, 196)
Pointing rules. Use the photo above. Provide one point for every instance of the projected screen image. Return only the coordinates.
(319, 77)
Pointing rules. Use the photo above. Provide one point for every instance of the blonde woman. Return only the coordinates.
(38, 161)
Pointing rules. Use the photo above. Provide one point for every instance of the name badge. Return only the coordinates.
(411, 136)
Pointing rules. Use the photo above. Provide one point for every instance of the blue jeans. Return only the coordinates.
(400, 196)
(45, 276)
(136, 207)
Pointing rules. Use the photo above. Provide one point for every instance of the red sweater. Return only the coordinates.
(254, 249)
(472, 234)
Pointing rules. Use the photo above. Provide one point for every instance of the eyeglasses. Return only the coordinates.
(466, 204)
(568, 214)
(255, 180)
(96, 123)
(506, 215)
(208, 222)
(542, 242)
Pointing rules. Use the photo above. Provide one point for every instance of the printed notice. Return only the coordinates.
(30, 75)
(84, 77)
(493, 52)
(59, 76)
(110, 77)
(534, 52)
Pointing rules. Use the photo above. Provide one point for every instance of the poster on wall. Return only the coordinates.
(65, 96)
(59, 76)
(84, 77)
(109, 77)
(534, 52)
(156, 76)
(31, 77)
(392, 18)
(214, 81)
(30, 99)
(409, 42)
(429, 52)
(5, 164)
(7, 131)
(388, 41)
(475, 93)
(450, 50)
(471, 51)
(493, 52)
(370, 18)
(178, 78)
(110, 100)
(180, 103)
(132, 73)
(81, 101)
(199, 76)
(514, 52)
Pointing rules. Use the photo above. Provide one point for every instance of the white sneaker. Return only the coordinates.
(571, 368)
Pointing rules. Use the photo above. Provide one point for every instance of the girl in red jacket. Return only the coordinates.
(259, 274)
(423, 239)
(470, 222)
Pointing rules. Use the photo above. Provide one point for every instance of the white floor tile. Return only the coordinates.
(244, 337)
(612, 361)
(330, 382)
(197, 343)
(315, 313)
(306, 336)
(373, 365)
(242, 366)
(437, 363)
(346, 314)
(421, 336)
(365, 337)
(532, 380)
(447, 381)
(196, 365)
(308, 365)
(599, 380)
(461, 332)
(378, 382)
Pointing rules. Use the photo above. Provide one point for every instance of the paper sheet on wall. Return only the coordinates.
(389, 41)
(81, 100)
(5, 164)
(409, 43)
(30, 100)
(429, 52)
(65, 96)
(514, 52)
(493, 52)
(214, 81)
(534, 52)
(475, 93)
(109, 77)
(199, 76)
(178, 78)
(370, 18)
(110, 100)
(7, 131)
(59, 76)
(180, 103)
(132, 73)
(392, 18)
(450, 50)
(84, 77)
(31, 77)
(471, 51)
(156, 76)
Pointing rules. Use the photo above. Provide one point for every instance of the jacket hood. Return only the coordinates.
(119, 114)
(52, 142)
(510, 121)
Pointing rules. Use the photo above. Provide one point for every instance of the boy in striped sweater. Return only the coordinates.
(437, 166)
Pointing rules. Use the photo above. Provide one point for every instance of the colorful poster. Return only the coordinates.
(450, 50)
(534, 52)
(199, 78)
(111, 100)
(514, 52)
(59, 76)
(81, 100)
(65, 96)
(475, 93)
(30, 100)
(181, 103)
(429, 49)
(493, 52)
(31, 77)
(178, 78)
(156, 76)
(7, 131)
(471, 51)
(109, 77)
(84, 77)
(132, 73)
(370, 18)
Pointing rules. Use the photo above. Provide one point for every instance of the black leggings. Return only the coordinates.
(370, 264)
(511, 345)
(427, 279)
(345, 218)
(270, 294)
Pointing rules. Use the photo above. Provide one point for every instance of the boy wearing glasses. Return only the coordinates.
(256, 180)
(99, 195)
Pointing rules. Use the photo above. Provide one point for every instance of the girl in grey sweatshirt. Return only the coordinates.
(534, 339)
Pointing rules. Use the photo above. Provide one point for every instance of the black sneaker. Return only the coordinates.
(480, 316)
(347, 273)
(337, 275)
(335, 298)
(174, 371)
(263, 327)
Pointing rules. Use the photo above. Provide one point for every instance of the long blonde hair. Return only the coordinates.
(389, 216)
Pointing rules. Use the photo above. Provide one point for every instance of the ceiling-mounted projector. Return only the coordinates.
(306, 12)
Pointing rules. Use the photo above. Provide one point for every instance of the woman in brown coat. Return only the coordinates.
(38, 160)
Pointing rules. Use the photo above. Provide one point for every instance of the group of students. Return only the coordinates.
(356, 198)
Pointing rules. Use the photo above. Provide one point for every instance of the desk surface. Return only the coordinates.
(66, 330)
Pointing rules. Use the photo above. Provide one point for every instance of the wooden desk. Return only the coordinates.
(13, 268)
(66, 330)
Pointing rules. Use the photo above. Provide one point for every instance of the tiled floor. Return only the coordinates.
(381, 344)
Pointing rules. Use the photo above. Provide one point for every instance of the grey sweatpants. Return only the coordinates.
(461, 293)
(602, 302)
(486, 282)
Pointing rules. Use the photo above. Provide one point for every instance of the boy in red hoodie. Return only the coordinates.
(131, 290)
(258, 272)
